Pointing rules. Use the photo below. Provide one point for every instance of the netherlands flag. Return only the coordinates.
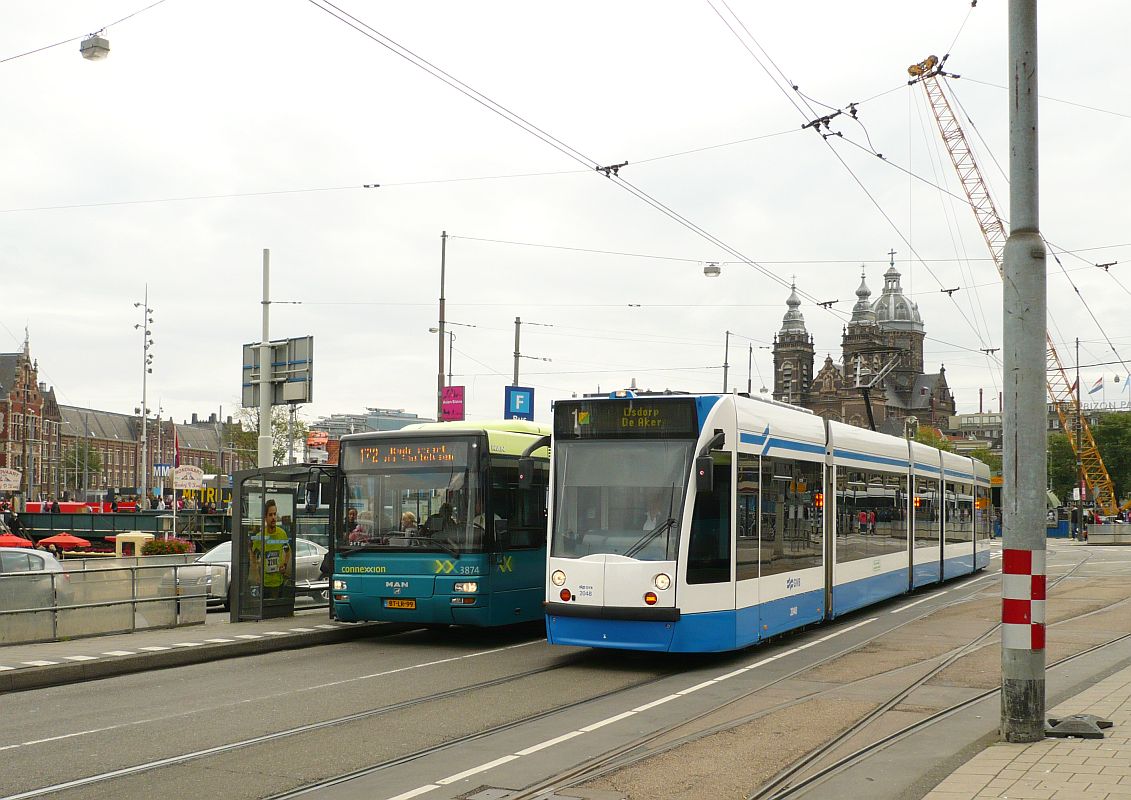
(1099, 384)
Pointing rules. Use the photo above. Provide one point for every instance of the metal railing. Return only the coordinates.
(94, 598)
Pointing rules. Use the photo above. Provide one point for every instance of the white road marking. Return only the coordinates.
(567, 736)
(324, 625)
(917, 602)
(5, 669)
(276, 633)
(188, 644)
(616, 718)
(248, 636)
(81, 658)
(218, 641)
(40, 663)
(303, 630)
(154, 648)
(415, 792)
(119, 653)
(467, 773)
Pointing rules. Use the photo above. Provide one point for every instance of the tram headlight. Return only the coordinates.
(558, 577)
(339, 586)
(468, 587)
(662, 581)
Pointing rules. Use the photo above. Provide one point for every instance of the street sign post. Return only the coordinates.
(451, 407)
(518, 402)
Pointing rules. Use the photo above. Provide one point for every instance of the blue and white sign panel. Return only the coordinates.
(518, 402)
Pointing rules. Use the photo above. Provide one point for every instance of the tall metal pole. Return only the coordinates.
(85, 457)
(1025, 420)
(27, 427)
(440, 330)
(265, 387)
(517, 352)
(291, 433)
(1079, 463)
(451, 346)
(750, 370)
(143, 481)
(726, 365)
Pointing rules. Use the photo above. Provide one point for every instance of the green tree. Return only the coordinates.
(989, 458)
(247, 440)
(75, 458)
(1062, 466)
(932, 438)
(1113, 437)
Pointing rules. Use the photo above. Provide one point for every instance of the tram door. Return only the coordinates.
(748, 506)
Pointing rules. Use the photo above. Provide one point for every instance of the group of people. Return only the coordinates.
(441, 523)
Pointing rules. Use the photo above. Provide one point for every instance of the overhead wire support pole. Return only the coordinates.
(440, 328)
(265, 456)
(1025, 418)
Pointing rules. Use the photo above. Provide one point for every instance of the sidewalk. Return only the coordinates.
(33, 666)
(1060, 769)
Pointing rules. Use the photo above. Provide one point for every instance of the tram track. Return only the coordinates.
(633, 752)
(571, 660)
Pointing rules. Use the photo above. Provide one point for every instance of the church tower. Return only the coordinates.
(862, 343)
(902, 329)
(793, 355)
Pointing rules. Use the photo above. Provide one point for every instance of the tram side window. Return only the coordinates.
(746, 520)
(871, 514)
(926, 504)
(519, 514)
(959, 518)
(792, 495)
(983, 513)
(708, 550)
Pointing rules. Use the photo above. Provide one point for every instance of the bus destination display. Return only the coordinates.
(630, 419)
(406, 454)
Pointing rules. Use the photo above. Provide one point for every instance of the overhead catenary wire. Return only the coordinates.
(77, 38)
(570, 152)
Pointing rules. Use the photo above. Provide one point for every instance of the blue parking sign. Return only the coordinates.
(518, 402)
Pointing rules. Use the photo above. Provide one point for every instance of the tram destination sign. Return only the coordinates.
(364, 455)
(630, 418)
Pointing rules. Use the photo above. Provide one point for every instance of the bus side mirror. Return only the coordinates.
(525, 473)
(704, 474)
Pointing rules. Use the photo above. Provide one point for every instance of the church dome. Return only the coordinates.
(794, 320)
(893, 310)
(862, 313)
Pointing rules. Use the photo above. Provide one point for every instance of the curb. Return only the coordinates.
(59, 674)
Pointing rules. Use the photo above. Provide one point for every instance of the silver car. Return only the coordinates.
(308, 564)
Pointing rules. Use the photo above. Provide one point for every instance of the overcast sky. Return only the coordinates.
(216, 129)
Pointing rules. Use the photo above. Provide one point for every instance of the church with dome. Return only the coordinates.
(886, 333)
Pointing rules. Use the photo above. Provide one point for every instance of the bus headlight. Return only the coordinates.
(468, 587)
(558, 577)
(662, 581)
(339, 586)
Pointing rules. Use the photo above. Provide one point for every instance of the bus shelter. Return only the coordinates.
(274, 507)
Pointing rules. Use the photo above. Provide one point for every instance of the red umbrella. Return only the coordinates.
(11, 540)
(65, 541)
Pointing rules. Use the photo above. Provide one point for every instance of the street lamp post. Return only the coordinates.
(517, 351)
(146, 369)
(440, 328)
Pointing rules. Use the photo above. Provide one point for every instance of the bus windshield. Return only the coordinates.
(619, 496)
(411, 496)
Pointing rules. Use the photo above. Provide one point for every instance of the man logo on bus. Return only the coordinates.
(582, 417)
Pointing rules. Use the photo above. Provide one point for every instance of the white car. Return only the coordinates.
(25, 559)
(308, 564)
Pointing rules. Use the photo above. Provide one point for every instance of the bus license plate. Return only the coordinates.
(399, 603)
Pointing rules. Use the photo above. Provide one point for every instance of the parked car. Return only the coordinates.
(25, 559)
(308, 580)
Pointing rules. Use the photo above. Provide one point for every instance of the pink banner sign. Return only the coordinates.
(451, 407)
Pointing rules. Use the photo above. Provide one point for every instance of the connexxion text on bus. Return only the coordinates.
(435, 528)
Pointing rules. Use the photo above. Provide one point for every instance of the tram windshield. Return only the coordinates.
(412, 495)
(619, 496)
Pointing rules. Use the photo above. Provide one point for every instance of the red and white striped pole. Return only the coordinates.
(1024, 463)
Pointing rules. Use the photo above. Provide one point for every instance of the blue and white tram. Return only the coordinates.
(711, 522)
